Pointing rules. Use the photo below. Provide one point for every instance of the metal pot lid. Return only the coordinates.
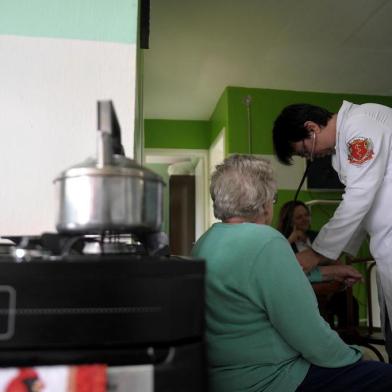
(120, 166)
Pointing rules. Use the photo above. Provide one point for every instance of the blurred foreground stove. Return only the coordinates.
(99, 300)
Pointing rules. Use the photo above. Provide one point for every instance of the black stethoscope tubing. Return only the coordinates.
(302, 180)
(291, 208)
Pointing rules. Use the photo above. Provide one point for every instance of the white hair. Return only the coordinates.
(241, 186)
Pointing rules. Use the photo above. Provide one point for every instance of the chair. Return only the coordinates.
(369, 335)
(351, 334)
(324, 291)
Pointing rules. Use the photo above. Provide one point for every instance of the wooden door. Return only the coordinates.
(182, 214)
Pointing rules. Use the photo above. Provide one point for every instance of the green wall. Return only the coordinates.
(267, 104)
(96, 20)
(187, 134)
(183, 134)
(231, 113)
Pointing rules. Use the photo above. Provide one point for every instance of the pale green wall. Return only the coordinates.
(96, 20)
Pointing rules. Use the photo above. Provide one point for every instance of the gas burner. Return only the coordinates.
(109, 244)
(6, 246)
(54, 246)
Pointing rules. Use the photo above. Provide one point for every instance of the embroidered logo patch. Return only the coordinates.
(360, 150)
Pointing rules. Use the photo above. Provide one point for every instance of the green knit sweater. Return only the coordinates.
(263, 324)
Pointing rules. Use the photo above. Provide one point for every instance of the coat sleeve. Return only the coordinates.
(283, 291)
(355, 242)
(363, 180)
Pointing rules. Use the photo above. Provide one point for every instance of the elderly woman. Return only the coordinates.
(264, 330)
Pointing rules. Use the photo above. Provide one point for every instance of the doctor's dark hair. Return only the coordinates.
(289, 128)
(286, 213)
(242, 186)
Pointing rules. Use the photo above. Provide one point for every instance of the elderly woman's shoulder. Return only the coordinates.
(268, 230)
(259, 230)
(244, 230)
(257, 235)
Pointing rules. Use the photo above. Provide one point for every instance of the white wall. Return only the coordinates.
(48, 94)
(216, 155)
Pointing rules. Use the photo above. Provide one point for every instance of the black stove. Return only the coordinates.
(113, 299)
(54, 246)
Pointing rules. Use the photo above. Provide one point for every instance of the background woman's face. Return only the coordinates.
(301, 218)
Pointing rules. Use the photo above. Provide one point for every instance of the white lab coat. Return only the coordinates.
(367, 201)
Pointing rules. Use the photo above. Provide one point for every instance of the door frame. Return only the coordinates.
(177, 153)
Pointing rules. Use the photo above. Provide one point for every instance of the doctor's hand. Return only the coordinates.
(309, 259)
(341, 273)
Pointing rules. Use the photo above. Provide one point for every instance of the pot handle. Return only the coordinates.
(109, 140)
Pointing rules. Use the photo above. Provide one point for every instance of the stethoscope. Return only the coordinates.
(309, 162)
(290, 211)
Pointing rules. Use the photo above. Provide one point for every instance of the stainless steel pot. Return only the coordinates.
(109, 193)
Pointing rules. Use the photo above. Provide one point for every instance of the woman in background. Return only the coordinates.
(263, 328)
(294, 224)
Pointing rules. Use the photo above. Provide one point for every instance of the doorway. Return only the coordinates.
(196, 215)
(182, 214)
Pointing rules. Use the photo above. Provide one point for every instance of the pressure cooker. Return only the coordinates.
(109, 192)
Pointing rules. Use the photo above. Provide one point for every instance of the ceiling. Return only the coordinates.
(198, 47)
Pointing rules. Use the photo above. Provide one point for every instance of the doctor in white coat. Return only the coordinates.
(359, 138)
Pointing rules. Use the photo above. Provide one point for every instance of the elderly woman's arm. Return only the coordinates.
(339, 272)
(282, 290)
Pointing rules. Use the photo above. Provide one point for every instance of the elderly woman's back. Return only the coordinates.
(263, 329)
(263, 326)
